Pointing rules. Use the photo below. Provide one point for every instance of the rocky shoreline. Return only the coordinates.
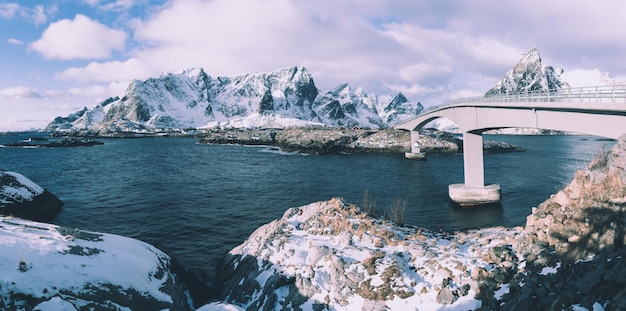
(570, 255)
(331, 255)
(341, 140)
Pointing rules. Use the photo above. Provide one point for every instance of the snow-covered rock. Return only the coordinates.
(193, 99)
(529, 75)
(46, 267)
(331, 255)
(20, 196)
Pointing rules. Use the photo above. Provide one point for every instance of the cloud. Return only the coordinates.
(229, 37)
(81, 38)
(418, 47)
(107, 71)
(9, 10)
(19, 92)
(37, 15)
(100, 91)
(116, 5)
(14, 41)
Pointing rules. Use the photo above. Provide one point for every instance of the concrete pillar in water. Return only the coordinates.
(473, 167)
(415, 153)
(473, 191)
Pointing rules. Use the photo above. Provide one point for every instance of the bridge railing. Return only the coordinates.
(580, 94)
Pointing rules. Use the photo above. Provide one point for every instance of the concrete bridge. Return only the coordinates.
(599, 111)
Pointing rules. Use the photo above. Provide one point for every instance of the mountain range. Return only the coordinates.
(286, 97)
(193, 99)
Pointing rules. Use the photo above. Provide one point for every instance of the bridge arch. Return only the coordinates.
(598, 111)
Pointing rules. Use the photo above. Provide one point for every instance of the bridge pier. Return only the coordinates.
(473, 191)
(415, 153)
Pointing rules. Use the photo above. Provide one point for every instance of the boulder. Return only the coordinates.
(44, 267)
(21, 197)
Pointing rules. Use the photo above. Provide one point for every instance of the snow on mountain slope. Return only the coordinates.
(529, 75)
(347, 107)
(193, 99)
(397, 108)
(594, 77)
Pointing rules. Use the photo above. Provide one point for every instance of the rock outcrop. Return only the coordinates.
(46, 267)
(21, 197)
(331, 255)
(574, 243)
(325, 140)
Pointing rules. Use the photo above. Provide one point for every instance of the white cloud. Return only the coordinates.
(415, 90)
(107, 71)
(100, 91)
(14, 41)
(19, 92)
(81, 38)
(9, 10)
(116, 5)
(36, 15)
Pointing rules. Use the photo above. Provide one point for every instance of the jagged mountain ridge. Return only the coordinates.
(528, 75)
(193, 99)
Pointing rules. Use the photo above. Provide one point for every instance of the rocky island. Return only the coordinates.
(325, 140)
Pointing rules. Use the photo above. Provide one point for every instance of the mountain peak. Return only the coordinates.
(528, 75)
(193, 99)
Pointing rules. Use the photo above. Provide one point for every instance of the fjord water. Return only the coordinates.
(198, 201)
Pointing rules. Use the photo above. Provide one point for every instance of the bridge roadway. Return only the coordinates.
(599, 111)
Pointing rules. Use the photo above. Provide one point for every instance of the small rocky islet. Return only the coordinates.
(329, 140)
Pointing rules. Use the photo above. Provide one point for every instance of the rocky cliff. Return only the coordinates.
(193, 99)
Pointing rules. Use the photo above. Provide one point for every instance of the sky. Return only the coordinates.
(58, 56)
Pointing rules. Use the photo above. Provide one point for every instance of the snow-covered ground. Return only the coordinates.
(333, 255)
(56, 268)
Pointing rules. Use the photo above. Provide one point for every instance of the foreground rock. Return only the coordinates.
(329, 255)
(46, 267)
(21, 197)
(574, 243)
(335, 140)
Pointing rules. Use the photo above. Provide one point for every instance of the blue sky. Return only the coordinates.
(59, 56)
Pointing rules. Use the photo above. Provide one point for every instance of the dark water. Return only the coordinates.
(198, 201)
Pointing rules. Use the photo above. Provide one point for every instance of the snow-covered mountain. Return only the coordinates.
(193, 99)
(530, 74)
(593, 77)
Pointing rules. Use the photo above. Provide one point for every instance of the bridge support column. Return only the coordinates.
(415, 153)
(473, 191)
